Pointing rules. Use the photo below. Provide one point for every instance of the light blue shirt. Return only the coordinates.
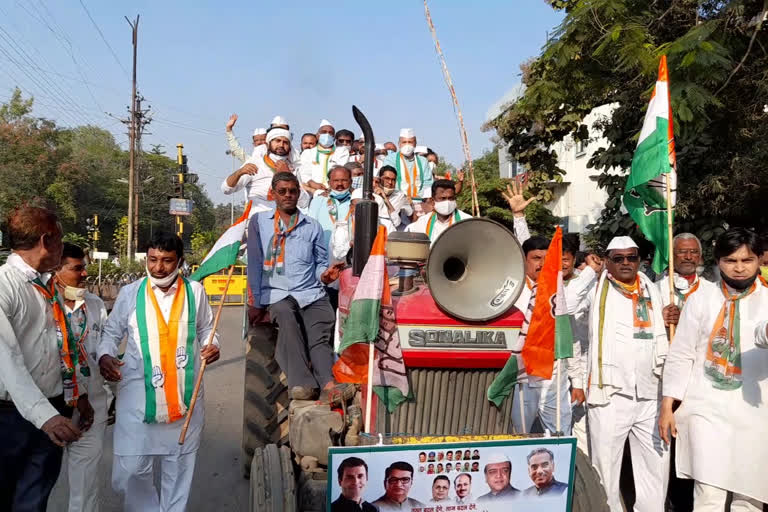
(306, 258)
(423, 182)
(318, 210)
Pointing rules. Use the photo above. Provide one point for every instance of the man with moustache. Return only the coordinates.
(497, 472)
(353, 479)
(287, 270)
(462, 484)
(255, 177)
(440, 487)
(308, 141)
(717, 366)
(628, 345)
(395, 209)
(38, 371)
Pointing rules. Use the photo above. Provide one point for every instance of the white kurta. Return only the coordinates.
(394, 221)
(721, 433)
(132, 435)
(663, 285)
(312, 165)
(256, 186)
(420, 225)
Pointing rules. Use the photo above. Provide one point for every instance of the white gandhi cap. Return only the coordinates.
(407, 133)
(259, 131)
(325, 122)
(621, 242)
(279, 120)
(497, 458)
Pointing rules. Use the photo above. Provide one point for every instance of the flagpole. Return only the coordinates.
(670, 250)
(199, 380)
(557, 405)
(522, 407)
(369, 388)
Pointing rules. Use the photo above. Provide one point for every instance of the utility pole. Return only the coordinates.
(140, 120)
(132, 142)
(180, 177)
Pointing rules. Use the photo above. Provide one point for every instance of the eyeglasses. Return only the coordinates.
(632, 258)
(393, 480)
(286, 191)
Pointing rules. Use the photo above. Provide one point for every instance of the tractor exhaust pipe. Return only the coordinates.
(366, 210)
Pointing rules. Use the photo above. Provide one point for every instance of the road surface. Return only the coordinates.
(218, 482)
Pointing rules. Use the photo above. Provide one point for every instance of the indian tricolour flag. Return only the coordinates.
(224, 252)
(653, 166)
(370, 325)
(546, 334)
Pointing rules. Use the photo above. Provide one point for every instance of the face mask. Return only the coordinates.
(164, 282)
(277, 158)
(326, 140)
(357, 181)
(432, 166)
(71, 292)
(445, 207)
(407, 149)
(391, 151)
(387, 191)
(340, 195)
(738, 284)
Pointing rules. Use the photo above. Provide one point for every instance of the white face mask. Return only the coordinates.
(432, 166)
(277, 158)
(407, 150)
(71, 292)
(387, 191)
(164, 282)
(445, 207)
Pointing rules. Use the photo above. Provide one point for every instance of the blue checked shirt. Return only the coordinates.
(306, 258)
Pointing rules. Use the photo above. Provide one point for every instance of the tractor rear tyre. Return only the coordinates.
(588, 492)
(265, 402)
(313, 488)
(273, 484)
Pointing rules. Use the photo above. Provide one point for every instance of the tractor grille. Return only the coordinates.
(447, 402)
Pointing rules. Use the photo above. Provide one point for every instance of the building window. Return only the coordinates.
(581, 148)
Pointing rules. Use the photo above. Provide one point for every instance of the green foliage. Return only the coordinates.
(201, 242)
(493, 205)
(607, 52)
(82, 171)
(77, 239)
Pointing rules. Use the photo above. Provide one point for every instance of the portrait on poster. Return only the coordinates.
(483, 476)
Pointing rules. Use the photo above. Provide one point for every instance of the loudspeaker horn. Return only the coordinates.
(476, 270)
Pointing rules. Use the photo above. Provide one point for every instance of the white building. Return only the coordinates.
(577, 200)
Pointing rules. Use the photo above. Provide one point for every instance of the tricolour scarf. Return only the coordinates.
(641, 306)
(723, 363)
(71, 350)
(333, 210)
(328, 153)
(167, 350)
(433, 219)
(413, 188)
(274, 261)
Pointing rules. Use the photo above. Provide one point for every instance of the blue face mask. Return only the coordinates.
(357, 182)
(340, 195)
(326, 140)
(390, 151)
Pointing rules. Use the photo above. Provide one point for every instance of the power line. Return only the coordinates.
(28, 60)
(96, 26)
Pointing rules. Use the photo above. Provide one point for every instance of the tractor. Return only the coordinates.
(456, 323)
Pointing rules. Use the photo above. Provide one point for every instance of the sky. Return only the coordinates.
(198, 62)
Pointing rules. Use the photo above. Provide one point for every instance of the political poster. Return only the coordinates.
(534, 475)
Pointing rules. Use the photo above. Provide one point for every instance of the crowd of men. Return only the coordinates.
(645, 368)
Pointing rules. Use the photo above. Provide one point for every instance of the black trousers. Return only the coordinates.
(304, 348)
(29, 461)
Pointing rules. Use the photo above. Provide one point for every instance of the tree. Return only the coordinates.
(492, 203)
(606, 52)
(16, 109)
(120, 237)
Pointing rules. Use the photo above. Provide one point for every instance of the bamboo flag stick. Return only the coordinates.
(670, 253)
(199, 380)
(457, 110)
(369, 387)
